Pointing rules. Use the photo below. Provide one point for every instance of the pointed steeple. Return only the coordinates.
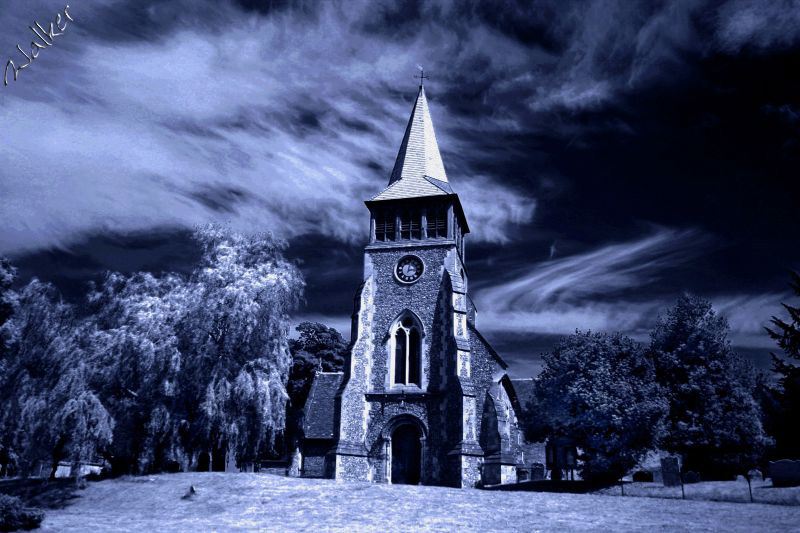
(419, 152)
(418, 170)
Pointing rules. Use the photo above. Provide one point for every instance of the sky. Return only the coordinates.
(610, 155)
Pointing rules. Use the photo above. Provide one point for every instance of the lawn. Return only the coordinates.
(248, 502)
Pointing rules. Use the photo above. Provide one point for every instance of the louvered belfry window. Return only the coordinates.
(437, 223)
(384, 226)
(405, 224)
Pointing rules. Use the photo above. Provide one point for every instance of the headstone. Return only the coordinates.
(740, 478)
(537, 471)
(295, 465)
(643, 476)
(784, 473)
(691, 477)
(230, 462)
(755, 475)
(670, 472)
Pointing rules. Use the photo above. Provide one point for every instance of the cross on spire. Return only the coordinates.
(422, 77)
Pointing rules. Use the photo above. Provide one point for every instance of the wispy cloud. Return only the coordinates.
(274, 122)
(595, 290)
(748, 314)
(606, 270)
(601, 290)
(761, 25)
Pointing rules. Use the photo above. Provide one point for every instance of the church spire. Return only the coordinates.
(419, 155)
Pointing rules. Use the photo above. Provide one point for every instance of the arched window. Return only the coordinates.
(407, 347)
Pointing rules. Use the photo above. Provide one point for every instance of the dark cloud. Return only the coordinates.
(71, 269)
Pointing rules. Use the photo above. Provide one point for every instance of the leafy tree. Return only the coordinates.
(163, 370)
(7, 303)
(318, 347)
(237, 333)
(8, 274)
(785, 401)
(48, 408)
(135, 340)
(198, 366)
(599, 390)
(713, 421)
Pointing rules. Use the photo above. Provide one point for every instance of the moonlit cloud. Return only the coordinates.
(599, 290)
(600, 128)
(761, 25)
(253, 123)
(607, 270)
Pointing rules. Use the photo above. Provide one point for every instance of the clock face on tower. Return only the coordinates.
(408, 269)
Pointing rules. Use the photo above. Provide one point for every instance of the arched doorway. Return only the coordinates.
(406, 455)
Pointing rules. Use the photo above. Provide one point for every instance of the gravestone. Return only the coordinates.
(295, 465)
(670, 472)
(755, 475)
(784, 473)
(643, 476)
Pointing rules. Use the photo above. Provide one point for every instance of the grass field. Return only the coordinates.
(252, 502)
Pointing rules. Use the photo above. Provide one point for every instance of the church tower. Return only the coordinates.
(424, 398)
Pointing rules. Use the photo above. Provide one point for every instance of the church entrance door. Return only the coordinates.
(406, 455)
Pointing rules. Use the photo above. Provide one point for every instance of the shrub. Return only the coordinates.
(14, 516)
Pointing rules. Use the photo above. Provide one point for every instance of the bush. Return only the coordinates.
(14, 516)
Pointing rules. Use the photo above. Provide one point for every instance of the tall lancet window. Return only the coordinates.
(407, 348)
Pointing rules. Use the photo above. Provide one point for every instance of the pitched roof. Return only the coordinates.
(418, 169)
(477, 337)
(413, 187)
(524, 390)
(318, 420)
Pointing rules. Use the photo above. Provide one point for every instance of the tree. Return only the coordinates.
(714, 421)
(198, 367)
(237, 333)
(135, 341)
(599, 390)
(8, 275)
(317, 347)
(785, 404)
(164, 369)
(49, 411)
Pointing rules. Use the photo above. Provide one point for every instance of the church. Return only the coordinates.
(423, 398)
